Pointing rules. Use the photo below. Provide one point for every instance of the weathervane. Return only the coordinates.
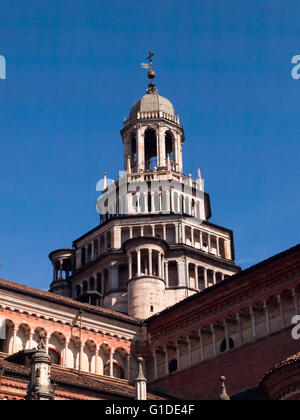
(148, 66)
(151, 73)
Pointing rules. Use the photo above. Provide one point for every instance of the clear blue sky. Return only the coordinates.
(73, 71)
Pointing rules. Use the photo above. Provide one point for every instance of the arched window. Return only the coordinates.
(78, 290)
(169, 146)
(92, 283)
(173, 366)
(83, 256)
(150, 150)
(117, 370)
(133, 151)
(224, 345)
(89, 253)
(54, 356)
(85, 286)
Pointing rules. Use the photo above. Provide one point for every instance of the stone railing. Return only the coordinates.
(153, 115)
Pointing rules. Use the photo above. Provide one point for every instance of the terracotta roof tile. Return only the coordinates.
(67, 377)
(20, 288)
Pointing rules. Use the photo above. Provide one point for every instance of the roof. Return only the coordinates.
(84, 381)
(151, 102)
(60, 300)
(235, 277)
(291, 360)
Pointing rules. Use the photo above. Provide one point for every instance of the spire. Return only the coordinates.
(199, 175)
(141, 383)
(223, 396)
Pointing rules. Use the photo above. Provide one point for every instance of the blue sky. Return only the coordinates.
(73, 71)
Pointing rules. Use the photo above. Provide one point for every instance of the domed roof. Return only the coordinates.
(151, 102)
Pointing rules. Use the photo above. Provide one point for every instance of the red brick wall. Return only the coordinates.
(243, 367)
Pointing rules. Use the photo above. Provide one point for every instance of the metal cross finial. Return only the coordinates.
(148, 66)
(151, 54)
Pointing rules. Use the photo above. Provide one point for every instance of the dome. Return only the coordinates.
(151, 102)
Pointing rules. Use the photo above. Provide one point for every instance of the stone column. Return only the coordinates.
(81, 357)
(187, 273)
(281, 311)
(31, 339)
(47, 342)
(214, 277)
(153, 230)
(201, 345)
(196, 277)
(150, 262)
(140, 150)
(130, 232)
(178, 356)
(130, 265)
(111, 363)
(65, 364)
(183, 233)
(146, 202)
(166, 361)
(164, 232)
(159, 265)
(295, 296)
(176, 234)
(240, 328)
(218, 246)
(189, 351)
(155, 365)
(266, 309)
(167, 273)
(214, 343)
(97, 360)
(128, 367)
(226, 335)
(138, 262)
(253, 321)
(205, 277)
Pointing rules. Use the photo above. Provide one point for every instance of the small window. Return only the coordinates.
(224, 345)
(151, 308)
(173, 366)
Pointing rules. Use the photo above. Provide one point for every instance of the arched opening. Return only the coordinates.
(173, 274)
(117, 370)
(133, 152)
(173, 366)
(89, 252)
(99, 283)
(169, 147)
(92, 283)
(83, 257)
(85, 286)
(78, 290)
(150, 150)
(224, 348)
(54, 356)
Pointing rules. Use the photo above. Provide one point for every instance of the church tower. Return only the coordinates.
(155, 245)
